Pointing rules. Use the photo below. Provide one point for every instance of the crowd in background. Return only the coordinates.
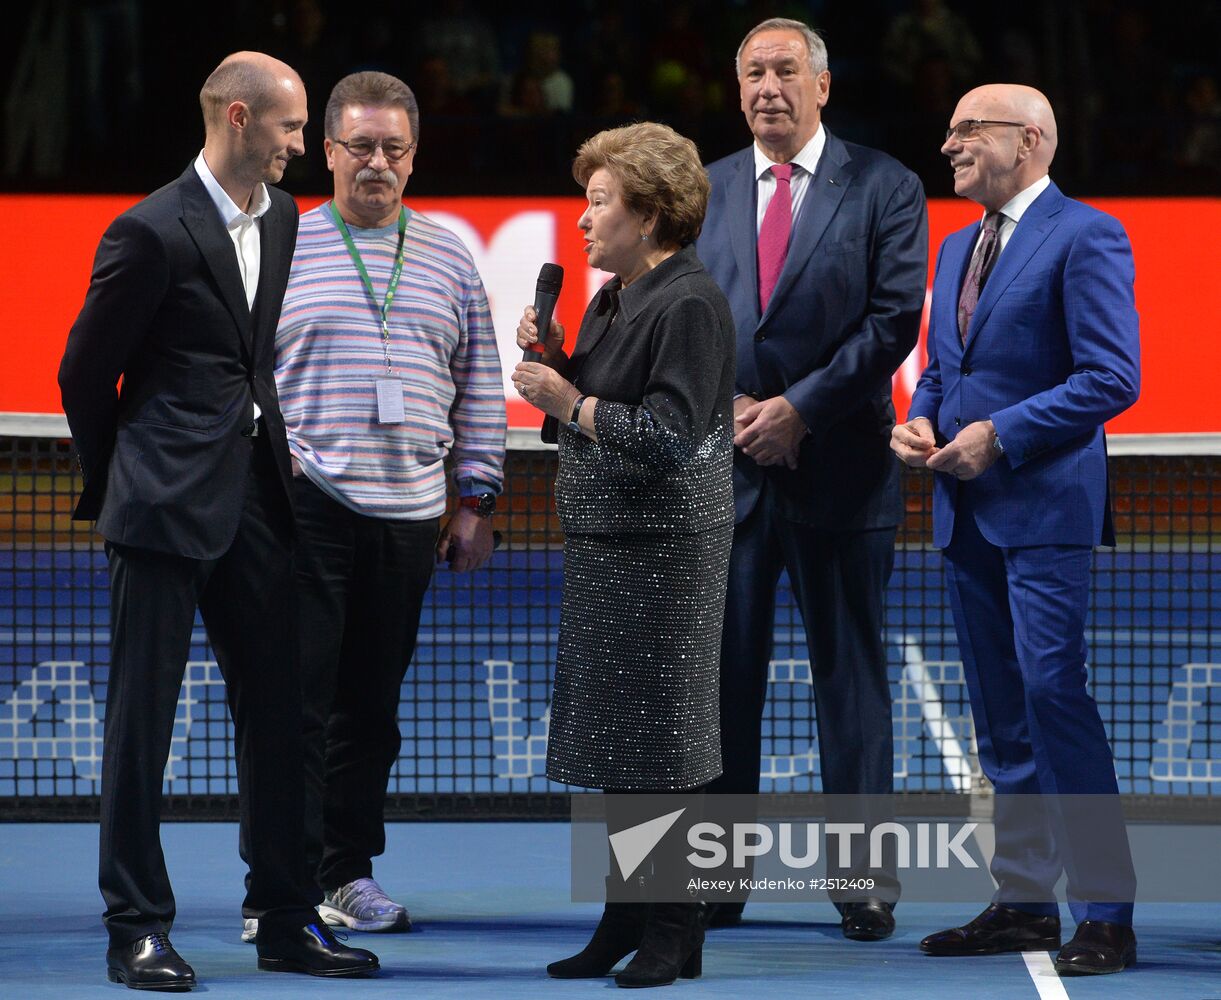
(95, 88)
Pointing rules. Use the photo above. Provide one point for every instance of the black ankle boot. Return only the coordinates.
(672, 946)
(617, 935)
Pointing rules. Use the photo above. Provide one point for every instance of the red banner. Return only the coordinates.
(45, 270)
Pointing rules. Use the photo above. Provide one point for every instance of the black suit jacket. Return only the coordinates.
(164, 460)
(843, 316)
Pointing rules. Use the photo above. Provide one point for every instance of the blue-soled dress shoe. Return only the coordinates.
(1098, 948)
(997, 929)
(149, 963)
(312, 949)
(867, 920)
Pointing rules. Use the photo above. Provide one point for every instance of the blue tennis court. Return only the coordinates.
(491, 902)
(492, 899)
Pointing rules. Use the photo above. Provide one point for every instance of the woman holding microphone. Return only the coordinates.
(643, 410)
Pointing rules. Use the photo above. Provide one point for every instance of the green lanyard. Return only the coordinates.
(384, 310)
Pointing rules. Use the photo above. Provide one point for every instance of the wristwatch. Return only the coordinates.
(483, 504)
(574, 424)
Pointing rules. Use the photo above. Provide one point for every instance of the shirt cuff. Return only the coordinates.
(476, 487)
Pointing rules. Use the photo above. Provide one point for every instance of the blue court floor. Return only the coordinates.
(491, 904)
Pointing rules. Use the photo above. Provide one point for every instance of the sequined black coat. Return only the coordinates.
(659, 356)
(647, 512)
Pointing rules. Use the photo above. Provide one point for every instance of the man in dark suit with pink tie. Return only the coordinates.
(821, 247)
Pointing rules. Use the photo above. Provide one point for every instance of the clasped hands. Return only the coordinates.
(769, 431)
(969, 455)
(538, 382)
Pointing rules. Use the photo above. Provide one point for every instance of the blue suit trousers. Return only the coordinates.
(1020, 615)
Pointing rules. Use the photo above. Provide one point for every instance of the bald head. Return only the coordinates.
(254, 115)
(1016, 103)
(1012, 147)
(252, 78)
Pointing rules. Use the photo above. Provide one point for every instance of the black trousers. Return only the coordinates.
(245, 597)
(839, 579)
(360, 586)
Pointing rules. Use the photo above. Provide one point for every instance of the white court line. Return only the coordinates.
(1038, 963)
(1049, 985)
(940, 729)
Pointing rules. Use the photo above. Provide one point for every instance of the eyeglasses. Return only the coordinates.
(363, 149)
(969, 128)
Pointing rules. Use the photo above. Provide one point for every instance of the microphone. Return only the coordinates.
(546, 291)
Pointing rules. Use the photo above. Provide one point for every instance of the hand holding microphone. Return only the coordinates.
(536, 378)
(547, 352)
(538, 317)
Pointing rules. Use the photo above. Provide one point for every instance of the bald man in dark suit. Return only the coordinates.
(186, 472)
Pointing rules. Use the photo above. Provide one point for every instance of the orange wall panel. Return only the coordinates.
(46, 260)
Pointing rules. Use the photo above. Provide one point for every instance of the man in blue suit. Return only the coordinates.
(1033, 345)
(821, 247)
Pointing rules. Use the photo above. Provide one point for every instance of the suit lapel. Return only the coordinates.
(203, 224)
(1035, 226)
(740, 204)
(955, 259)
(631, 301)
(270, 262)
(598, 325)
(831, 178)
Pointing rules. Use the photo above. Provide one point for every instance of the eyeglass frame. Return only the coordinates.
(977, 125)
(378, 144)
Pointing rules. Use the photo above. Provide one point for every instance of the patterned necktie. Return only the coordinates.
(774, 233)
(985, 255)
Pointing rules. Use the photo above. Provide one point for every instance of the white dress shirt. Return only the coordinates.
(1013, 211)
(804, 165)
(243, 228)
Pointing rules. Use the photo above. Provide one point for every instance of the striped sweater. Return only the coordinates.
(329, 354)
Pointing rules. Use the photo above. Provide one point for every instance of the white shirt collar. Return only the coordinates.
(229, 212)
(1016, 207)
(807, 159)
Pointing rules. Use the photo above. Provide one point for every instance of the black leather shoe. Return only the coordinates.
(149, 963)
(868, 920)
(312, 949)
(1096, 949)
(997, 929)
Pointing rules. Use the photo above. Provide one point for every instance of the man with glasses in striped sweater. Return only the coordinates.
(386, 363)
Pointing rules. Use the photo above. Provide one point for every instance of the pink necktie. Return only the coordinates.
(774, 233)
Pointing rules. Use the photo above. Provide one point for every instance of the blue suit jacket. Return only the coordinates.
(844, 314)
(1051, 354)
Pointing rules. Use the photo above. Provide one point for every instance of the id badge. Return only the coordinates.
(389, 401)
